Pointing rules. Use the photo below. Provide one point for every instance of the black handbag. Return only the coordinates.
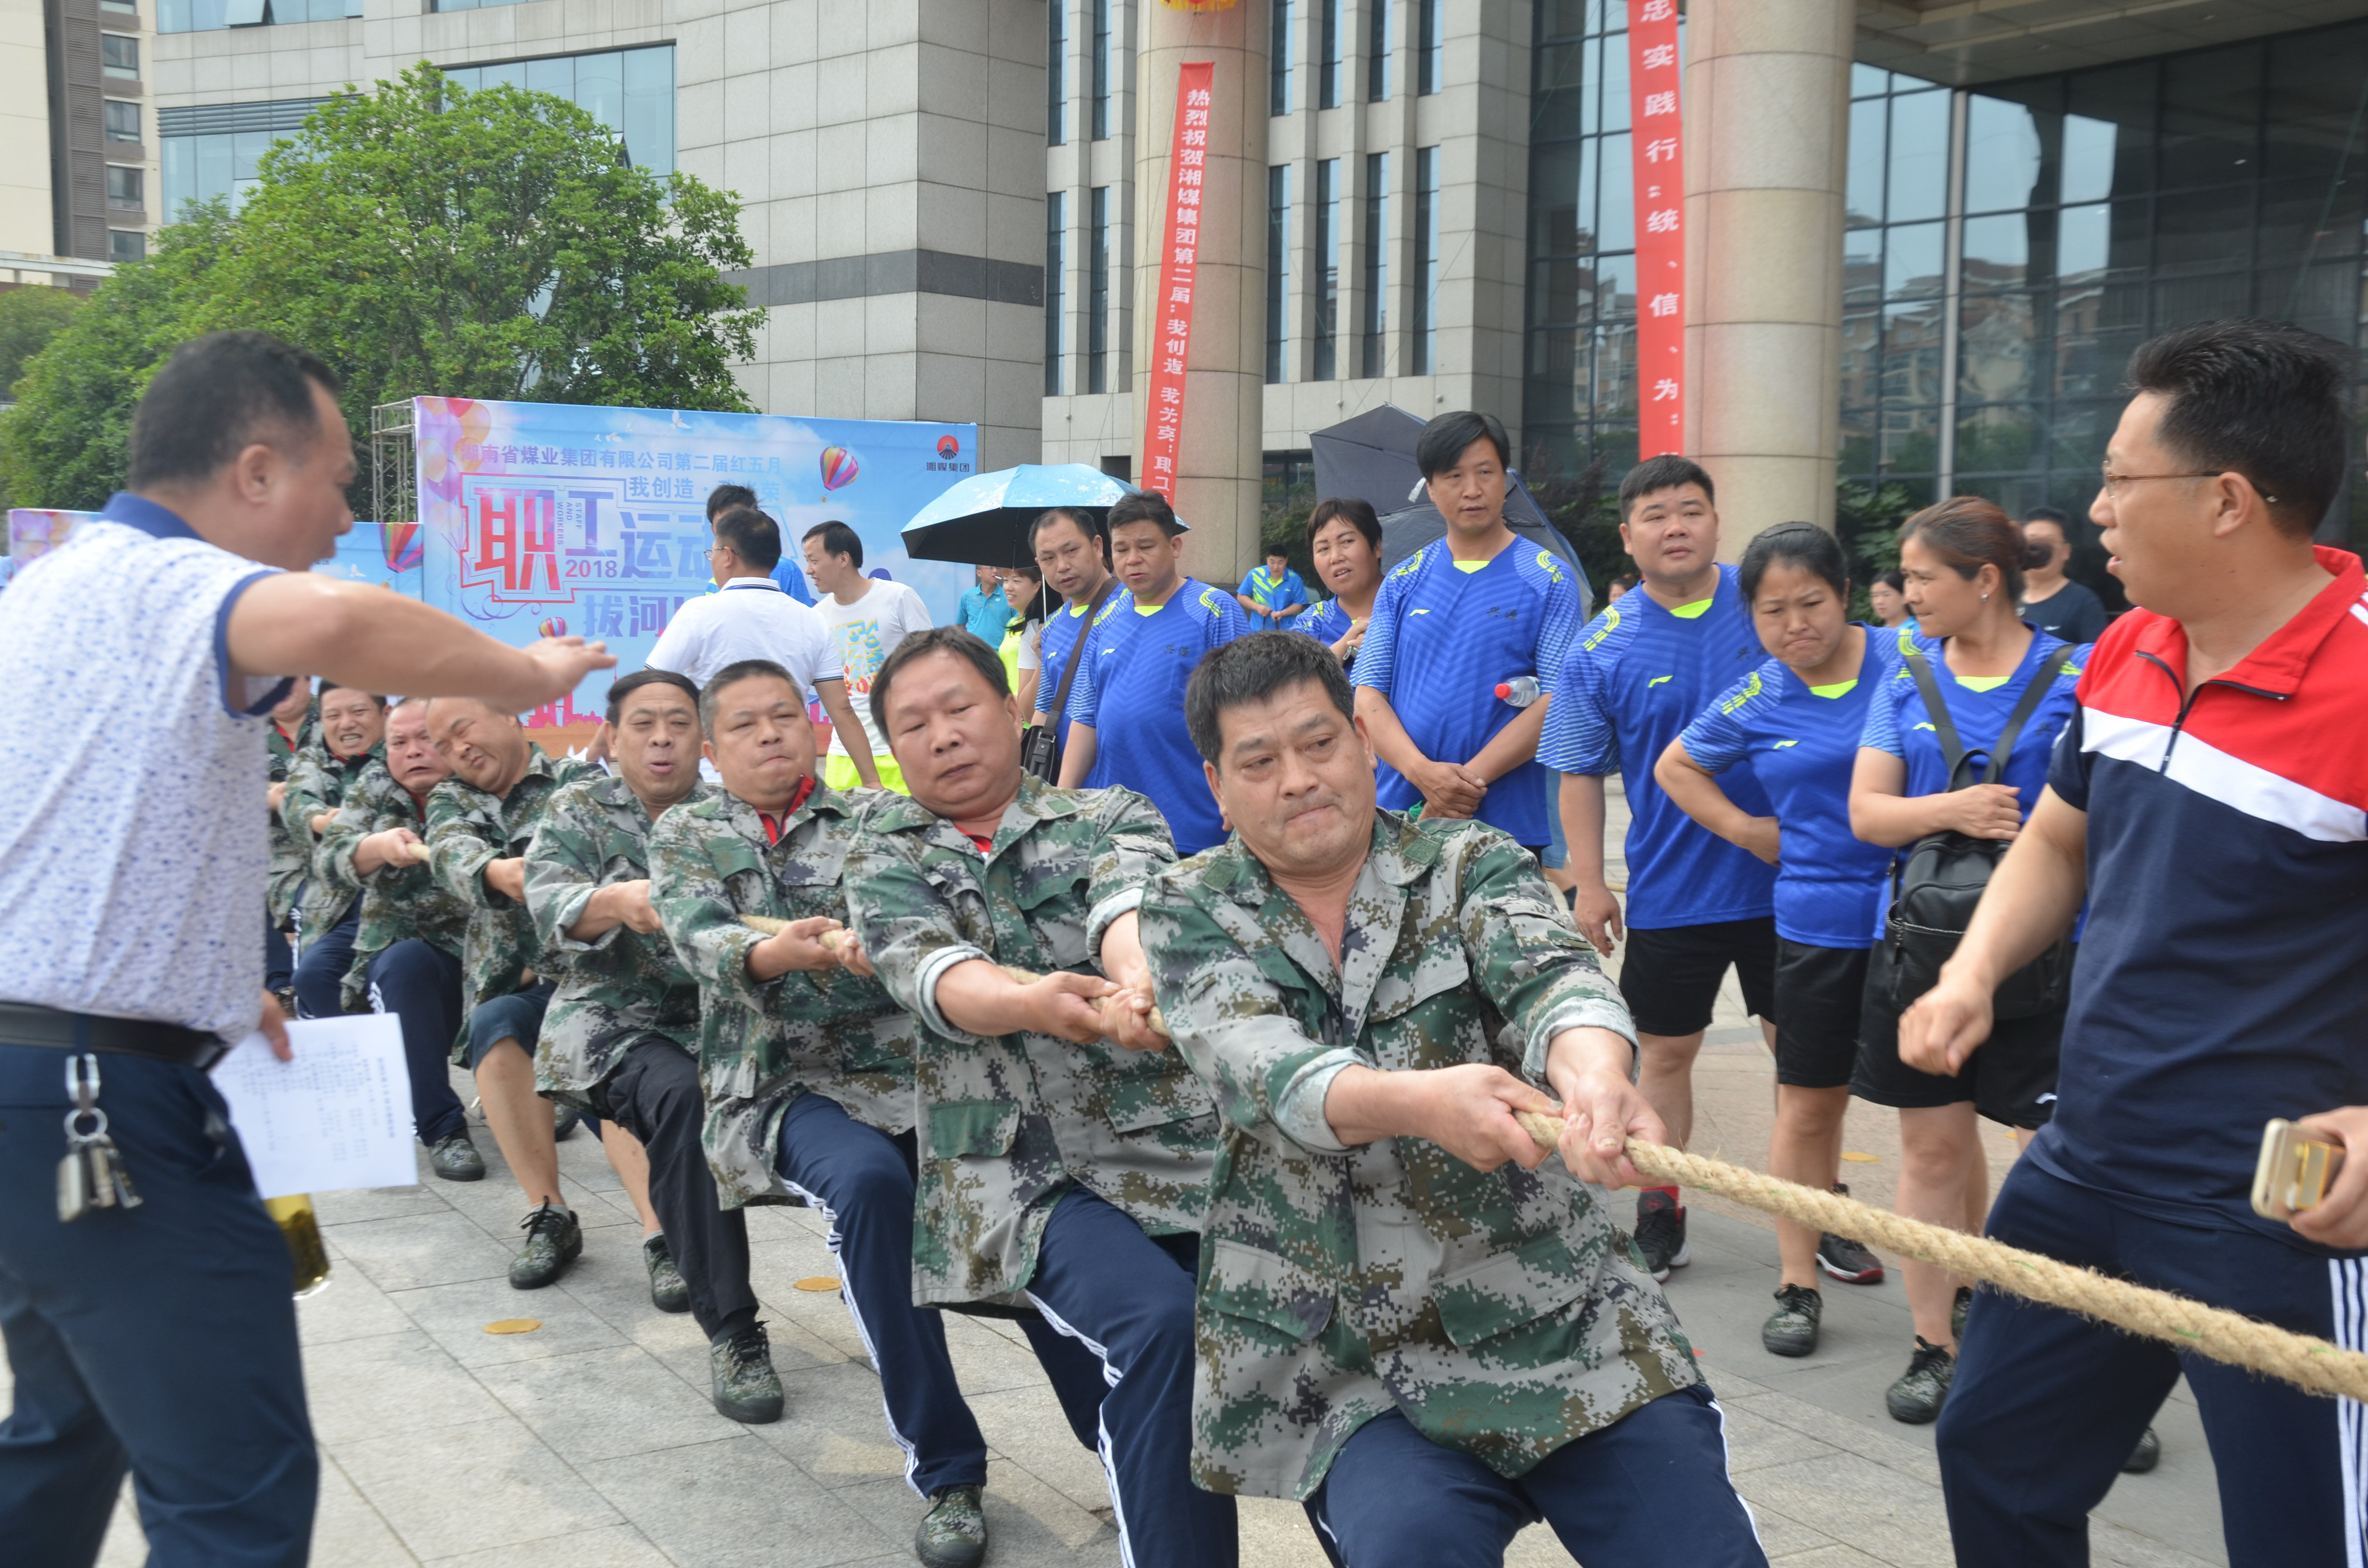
(1040, 745)
(1936, 886)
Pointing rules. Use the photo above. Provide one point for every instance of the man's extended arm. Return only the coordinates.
(2031, 899)
(362, 636)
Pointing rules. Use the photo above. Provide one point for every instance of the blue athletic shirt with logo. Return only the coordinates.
(1801, 741)
(1130, 690)
(1896, 721)
(1439, 643)
(1061, 629)
(1636, 678)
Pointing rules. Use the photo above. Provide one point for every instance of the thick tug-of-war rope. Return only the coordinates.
(2297, 1359)
(832, 939)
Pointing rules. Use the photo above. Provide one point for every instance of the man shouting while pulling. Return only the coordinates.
(1405, 1321)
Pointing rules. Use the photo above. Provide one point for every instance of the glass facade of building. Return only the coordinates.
(206, 16)
(2007, 247)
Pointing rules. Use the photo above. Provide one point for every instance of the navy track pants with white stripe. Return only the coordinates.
(2046, 1405)
(862, 1181)
(1128, 1298)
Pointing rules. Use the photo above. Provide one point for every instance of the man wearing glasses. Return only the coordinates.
(750, 618)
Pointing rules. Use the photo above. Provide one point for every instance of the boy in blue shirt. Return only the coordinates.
(1479, 609)
(1126, 706)
(1636, 677)
(1272, 594)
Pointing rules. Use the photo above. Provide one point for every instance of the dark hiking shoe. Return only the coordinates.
(1957, 1309)
(553, 1240)
(1845, 1259)
(1661, 1233)
(455, 1158)
(668, 1292)
(1916, 1397)
(2146, 1456)
(953, 1532)
(564, 1121)
(1792, 1329)
(740, 1368)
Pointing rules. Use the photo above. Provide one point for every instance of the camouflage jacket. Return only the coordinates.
(1501, 1313)
(467, 830)
(399, 900)
(318, 780)
(1010, 1121)
(289, 863)
(622, 985)
(762, 1043)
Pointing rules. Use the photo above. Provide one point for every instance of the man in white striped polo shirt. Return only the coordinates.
(160, 1337)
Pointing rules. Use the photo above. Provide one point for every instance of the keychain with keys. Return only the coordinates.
(92, 1175)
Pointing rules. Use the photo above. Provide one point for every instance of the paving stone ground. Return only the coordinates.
(590, 1443)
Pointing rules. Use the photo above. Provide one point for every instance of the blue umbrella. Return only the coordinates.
(983, 520)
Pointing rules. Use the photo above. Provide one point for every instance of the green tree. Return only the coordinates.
(29, 317)
(422, 239)
(425, 239)
(62, 443)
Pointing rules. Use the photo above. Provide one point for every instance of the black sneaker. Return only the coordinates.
(1957, 1308)
(1661, 1233)
(1845, 1259)
(455, 1158)
(667, 1291)
(1921, 1390)
(742, 1380)
(553, 1240)
(953, 1532)
(564, 1121)
(2146, 1456)
(1792, 1329)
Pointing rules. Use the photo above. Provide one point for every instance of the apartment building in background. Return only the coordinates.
(78, 152)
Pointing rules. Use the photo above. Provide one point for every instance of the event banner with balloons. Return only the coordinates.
(547, 519)
(371, 552)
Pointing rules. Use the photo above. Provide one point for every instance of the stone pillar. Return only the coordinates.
(1766, 120)
(1225, 409)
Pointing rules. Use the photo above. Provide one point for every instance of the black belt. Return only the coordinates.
(22, 1023)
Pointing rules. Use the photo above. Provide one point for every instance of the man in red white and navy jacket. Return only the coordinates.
(2211, 802)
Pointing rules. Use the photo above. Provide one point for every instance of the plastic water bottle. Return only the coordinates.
(1520, 692)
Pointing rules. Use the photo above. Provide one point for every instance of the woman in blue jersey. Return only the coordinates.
(1345, 539)
(1796, 720)
(1963, 565)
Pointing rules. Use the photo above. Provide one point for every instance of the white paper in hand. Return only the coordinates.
(337, 1117)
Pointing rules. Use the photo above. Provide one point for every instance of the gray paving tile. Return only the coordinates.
(1027, 1521)
(456, 1316)
(1859, 1502)
(833, 1426)
(602, 1405)
(487, 1485)
(411, 1250)
(347, 1531)
(389, 1384)
(617, 1546)
(1026, 1425)
(1754, 1441)
(350, 1308)
(736, 1502)
(334, 1209)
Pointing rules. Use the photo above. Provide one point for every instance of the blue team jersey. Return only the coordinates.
(1130, 689)
(1274, 596)
(1440, 641)
(1061, 629)
(1802, 745)
(1327, 623)
(1896, 721)
(1634, 679)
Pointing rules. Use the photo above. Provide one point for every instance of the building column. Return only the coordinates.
(1766, 120)
(1225, 409)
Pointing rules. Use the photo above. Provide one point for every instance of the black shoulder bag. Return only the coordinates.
(1039, 748)
(1936, 886)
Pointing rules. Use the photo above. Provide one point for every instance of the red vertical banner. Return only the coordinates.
(1657, 149)
(1179, 248)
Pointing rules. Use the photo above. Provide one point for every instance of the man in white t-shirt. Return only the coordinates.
(750, 618)
(867, 618)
